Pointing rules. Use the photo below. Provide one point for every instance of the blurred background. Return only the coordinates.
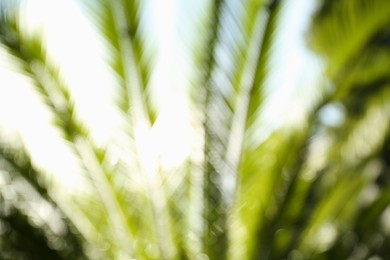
(212, 129)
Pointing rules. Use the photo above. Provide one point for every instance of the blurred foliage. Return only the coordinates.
(316, 190)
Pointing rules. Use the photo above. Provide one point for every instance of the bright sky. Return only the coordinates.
(72, 41)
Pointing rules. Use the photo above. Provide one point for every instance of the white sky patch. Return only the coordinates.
(171, 138)
(295, 67)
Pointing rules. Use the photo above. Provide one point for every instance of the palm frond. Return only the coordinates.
(34, 61)
(27, 232)
(232, 95)
(355, 55)
(357, 21)
(316, 190)
(120, 24)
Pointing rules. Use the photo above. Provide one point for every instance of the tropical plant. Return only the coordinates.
(317, 188)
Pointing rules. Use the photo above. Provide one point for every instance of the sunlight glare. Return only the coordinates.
(73, 42)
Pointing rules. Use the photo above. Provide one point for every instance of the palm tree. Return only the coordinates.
(317, 189)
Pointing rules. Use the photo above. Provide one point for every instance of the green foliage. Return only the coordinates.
(25, 232)
(316, 190)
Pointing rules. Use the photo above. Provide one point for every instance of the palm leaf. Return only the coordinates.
(120, 24)
(299, 192)
(28, 232)
(357, 21)
(35, 63)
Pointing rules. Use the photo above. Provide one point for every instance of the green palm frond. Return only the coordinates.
(120, 25)
(356, 63)
(317, 190)
(26, 231)
(35, 63)
(228, 100)
(357, 21)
